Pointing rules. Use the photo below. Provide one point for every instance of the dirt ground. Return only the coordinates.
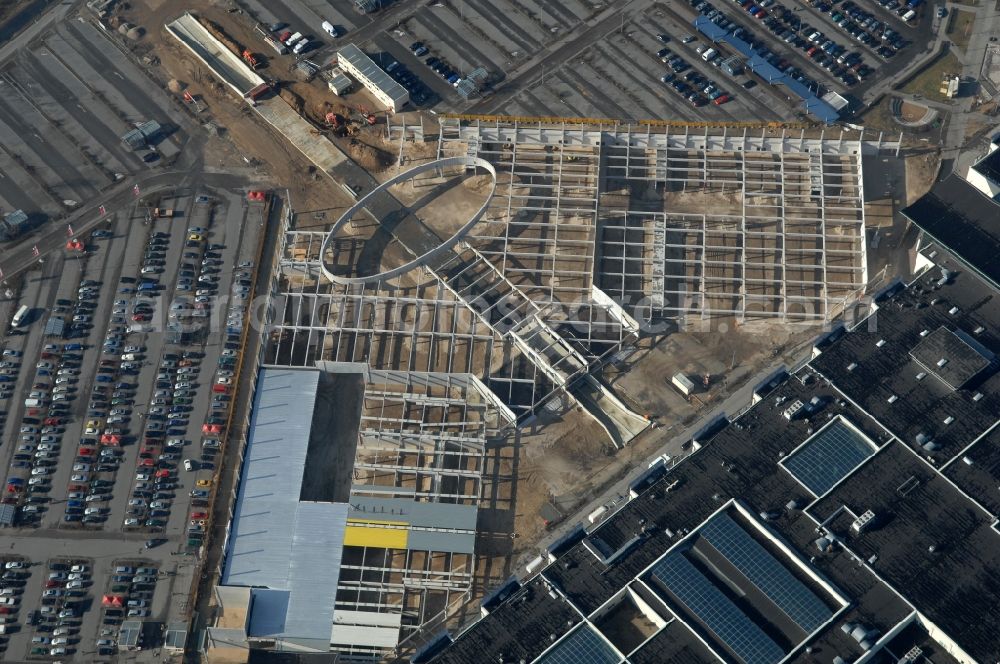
(242, 138)
(912, 112)
(921, 172)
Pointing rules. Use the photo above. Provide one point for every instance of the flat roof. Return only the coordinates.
(387, 84)
(989, 166)
(928, 540)
(520, 628)
(873, 365)
(288, 549)
(951, 355)
(962, 218)
(977, 471)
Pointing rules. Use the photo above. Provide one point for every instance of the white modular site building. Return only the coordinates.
(383, 87)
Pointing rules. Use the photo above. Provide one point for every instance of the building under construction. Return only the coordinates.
(580, 240)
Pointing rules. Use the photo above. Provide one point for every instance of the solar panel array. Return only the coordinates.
(766, 572)
(828, 457)
(584, 646)
(717, 611)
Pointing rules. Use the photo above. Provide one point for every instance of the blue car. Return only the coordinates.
(103, 378)
(73, 347)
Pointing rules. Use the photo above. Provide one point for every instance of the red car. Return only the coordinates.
(163, 473)
(86, 451)
(146, 462)
(199, 515)
(53, 421)
(140, 317)
(721, 100)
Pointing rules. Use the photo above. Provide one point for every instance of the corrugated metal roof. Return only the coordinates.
(292, 548)
(351, 53)
(421, 515)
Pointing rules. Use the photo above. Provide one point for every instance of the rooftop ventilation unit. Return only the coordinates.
(892, 399)
(880, 343)
(852, 366)
(924, 333)
(953, 311)
(793, 410)
(912, 655)
(979, 330)
(943, 361)
(921, 375)
(977, 396)
(949, 419)
(863, 522)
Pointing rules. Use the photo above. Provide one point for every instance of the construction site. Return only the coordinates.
(506, 306)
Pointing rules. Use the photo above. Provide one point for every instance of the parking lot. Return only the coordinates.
(584, 58)
(65, 105)
(113, 424)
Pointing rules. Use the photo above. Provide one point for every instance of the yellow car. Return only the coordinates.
(204, 483)
(194, 237)
(93, 424)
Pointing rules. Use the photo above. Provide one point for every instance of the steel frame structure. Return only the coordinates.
(591, 231)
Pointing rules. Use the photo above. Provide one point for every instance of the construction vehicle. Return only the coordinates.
(334, 120)
(368, 117)
(249, 58)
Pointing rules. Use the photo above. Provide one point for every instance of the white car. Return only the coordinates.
(40, 470)
(83, 569)
(29, 429)
(131, 523)
(48, 447)
(81, 467)
(15, 564)
(222, 380)
(79, 478)
(38, 481)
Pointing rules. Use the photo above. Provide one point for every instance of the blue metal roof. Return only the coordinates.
(758, 65)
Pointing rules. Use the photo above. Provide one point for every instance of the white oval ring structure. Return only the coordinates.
(419, 260)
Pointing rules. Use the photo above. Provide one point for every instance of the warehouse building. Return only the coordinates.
(383, 87)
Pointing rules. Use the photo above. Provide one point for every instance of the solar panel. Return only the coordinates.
(765, 572)
(584, 646)
(828, 457)
(717, 611)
